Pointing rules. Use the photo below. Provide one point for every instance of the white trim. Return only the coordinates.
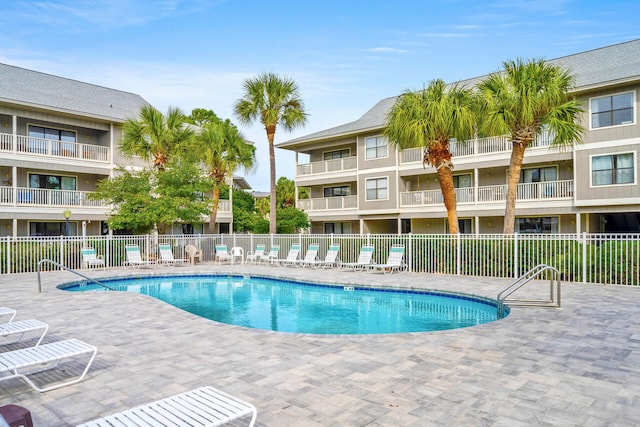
(366, 189)
(607, 144)
(365, 147)
(626, 184)
(633, 106)
(608, 202)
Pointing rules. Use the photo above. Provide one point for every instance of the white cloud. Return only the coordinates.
(386, 50)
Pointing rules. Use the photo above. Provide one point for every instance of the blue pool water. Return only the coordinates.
(289, 306)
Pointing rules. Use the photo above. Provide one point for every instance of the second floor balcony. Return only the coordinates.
(476, 147)
(22, 196)
(328, 203)
(53, 148)
(40, 197)
(533, 191)
(327, 166)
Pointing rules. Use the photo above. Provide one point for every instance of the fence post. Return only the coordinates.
(409, 253)
(61, 259)
(458, 258)
(515, 256)
(584, 257)
(8, 252)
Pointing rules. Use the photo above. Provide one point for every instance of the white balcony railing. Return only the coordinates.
(328, 203)
(44, 197)
(336, 165)
(550, 190)
(53, 148)
(479, 146)
(224, 206)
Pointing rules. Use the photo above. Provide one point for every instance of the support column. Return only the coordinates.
(15, 227)
(578, 225)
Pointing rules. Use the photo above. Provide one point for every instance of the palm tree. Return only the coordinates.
(429, 119)
(223, 150)
(273, 100)
(523, 100)
(154, 136)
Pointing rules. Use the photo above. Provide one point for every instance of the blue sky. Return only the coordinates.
(345, 55)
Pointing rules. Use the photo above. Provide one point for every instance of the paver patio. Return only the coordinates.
(575, 366)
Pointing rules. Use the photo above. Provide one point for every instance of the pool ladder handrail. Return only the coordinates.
(64, 267)
(534, 273)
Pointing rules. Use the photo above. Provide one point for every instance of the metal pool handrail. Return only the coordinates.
(527, 277)
(64, 267)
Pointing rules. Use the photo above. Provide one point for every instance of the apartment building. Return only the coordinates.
(58, 137)
(361, 184)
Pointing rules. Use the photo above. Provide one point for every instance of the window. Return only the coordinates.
(377, 189)
(52, 182)
(341, 191)
(51, 229)
(66, 139)
(462, 181)
(545, 174)
(337, 154)
(612, 110)
(612, 169)
(464, 226)
(542, 225)
(376, 147)
(337, 227)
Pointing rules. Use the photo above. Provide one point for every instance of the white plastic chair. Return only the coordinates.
(90, 259)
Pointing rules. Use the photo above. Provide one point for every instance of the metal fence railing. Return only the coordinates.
(590, 258)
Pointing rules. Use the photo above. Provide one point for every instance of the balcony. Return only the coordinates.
(43, 197)
(475, 147)
(535, 191)
(53, 148)
(328, 203)
(327, 166)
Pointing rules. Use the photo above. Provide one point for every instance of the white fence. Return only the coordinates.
(592, 258)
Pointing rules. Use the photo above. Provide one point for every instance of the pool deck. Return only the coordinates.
(574, 366)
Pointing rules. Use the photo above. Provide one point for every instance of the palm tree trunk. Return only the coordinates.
(445, 178)
(515, 165)
(271, 132)
(214, 209)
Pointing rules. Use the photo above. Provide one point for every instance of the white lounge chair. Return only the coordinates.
(167, 258)
(292, 257)
(330, 260)
(310, 257)
(394, 261)
(134, 259)
(364, 259)
(90, 259)
(193, 253)
(22, 327)
(5, 311)
(255, 256)
(201, 407)
(272, 256)
(222, 254)
(26, 361)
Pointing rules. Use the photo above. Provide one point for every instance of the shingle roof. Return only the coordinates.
(32, 88)
(594, 68)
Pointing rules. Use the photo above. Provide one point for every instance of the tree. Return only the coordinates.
(223, 150)
(150, 198)
(154, 136)
(244, 212)
(429, 119)
(523, 100)
(273, 100)
(285, 193)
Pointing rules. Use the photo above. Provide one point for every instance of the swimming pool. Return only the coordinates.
(292, 306)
